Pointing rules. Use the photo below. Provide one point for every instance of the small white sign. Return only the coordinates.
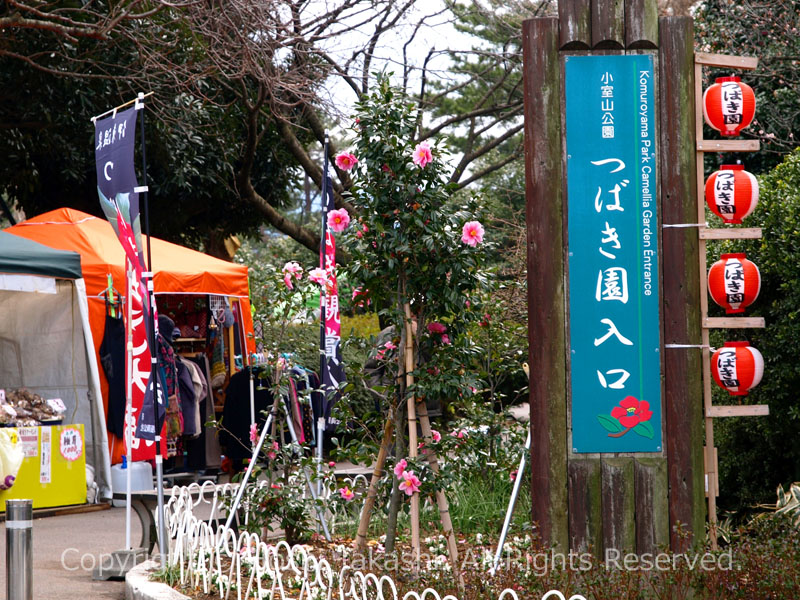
(71, 444)
(29, 438)
(57, 405)
(44, 465)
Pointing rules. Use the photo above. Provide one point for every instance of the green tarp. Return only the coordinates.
(23, 256)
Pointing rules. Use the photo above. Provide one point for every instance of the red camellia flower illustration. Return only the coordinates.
(631, 412)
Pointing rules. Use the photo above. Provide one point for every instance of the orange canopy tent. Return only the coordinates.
(177, 270)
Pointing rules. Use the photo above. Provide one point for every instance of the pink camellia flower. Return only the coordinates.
(410, 483)
(318, 276)
(346, 161)
(422, 154)
(272, 454)
(437, 437)
(390, 346)
(254, 432)
(346, 493)
(400, 468)
(472, 233)
(436, 327)
(275, 486)
(290, 269)
(338, 220)
(445, 339)
(459, 433)
(331, 464)
(513, 475)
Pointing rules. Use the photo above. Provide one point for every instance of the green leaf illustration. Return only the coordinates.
(645, 429)
(610, 423)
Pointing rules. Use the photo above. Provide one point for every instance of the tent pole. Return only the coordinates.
(162, 531)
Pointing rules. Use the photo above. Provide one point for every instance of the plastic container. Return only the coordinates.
(141, 478)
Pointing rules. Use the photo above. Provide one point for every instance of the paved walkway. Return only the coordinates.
(65, 550)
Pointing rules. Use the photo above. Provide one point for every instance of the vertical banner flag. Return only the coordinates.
(613, 254)
(116, 187)
(331, 366)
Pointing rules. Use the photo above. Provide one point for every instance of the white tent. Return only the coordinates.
(46, 342)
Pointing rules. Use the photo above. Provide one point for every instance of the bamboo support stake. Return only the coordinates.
(441, 498)
(360, 544)
(412, 431)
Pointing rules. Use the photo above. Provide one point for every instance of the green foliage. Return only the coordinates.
(758, 453)
(280, 501)
(407, 246)
(192, 144)
(768, 31)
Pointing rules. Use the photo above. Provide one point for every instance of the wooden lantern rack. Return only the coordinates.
(711, 412)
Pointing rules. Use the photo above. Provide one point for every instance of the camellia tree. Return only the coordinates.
(417, 254)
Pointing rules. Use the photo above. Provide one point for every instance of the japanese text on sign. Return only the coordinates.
(613, 255)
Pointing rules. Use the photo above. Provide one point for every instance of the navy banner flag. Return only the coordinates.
(117, 189)
(331, 365)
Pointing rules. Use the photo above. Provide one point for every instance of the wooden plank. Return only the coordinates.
(738, 233)
(585, 507)
(641, 24)
(739, 410)
(728, 145)
(544, 214)
(711, 468)
(618, 502)
(746, 63)
(575, 24)
(650, 497)
(683, 383)
(734, 323)
(608, 24)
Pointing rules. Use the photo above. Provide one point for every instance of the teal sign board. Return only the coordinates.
(613, 254)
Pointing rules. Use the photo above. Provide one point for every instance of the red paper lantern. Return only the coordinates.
(734, 282)
(732, 193)
(729, 105)
(737, 367)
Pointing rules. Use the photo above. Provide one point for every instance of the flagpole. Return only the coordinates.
(322, 296)
(128, 430)
(153, 343)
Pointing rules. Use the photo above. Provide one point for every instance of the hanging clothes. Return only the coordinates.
(188, 400)
(112, 359)
(167, 361)
(199, 389)
(235, 433)
(204, 453)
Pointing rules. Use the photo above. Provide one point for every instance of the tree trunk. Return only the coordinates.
(397, 496)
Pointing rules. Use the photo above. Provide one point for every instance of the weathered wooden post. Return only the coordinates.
(616, 387)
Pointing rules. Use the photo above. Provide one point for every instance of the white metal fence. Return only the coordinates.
(245, 567)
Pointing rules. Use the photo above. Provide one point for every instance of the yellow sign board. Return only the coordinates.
(53, 472)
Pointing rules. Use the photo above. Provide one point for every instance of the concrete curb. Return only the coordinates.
(138, 585)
